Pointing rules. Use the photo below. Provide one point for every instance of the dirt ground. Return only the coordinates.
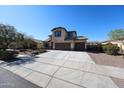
(118, 82)
(109, 60)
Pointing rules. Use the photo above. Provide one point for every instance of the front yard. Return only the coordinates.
(109, 60)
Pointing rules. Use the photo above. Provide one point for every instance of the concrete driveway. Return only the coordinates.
(65, 69)
(10, 80)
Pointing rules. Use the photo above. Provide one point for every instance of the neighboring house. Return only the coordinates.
(119, 43)
(37, 44)
(62, 39)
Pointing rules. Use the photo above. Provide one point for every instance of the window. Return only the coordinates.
(58, 34)
(69, 34)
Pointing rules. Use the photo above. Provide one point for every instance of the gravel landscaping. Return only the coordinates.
(109, 60)
(119, 82)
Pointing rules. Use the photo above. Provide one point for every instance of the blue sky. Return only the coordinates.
(91, 21)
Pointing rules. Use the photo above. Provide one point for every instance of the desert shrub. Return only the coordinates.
(35, 52)
(110, 49)
(41, 50)
(38, 51)
(22, 50)
(8, 55)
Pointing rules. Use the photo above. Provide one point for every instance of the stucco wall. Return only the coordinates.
(40, 45)
(121, 45)
(59, 39)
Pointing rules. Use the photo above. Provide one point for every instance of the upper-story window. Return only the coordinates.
(57, 34)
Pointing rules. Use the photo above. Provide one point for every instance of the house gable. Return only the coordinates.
(58, 34)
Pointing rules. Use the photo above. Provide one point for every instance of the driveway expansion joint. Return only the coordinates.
(56, 72)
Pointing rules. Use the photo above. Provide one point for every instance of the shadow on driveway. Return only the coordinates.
(23, 59)
(10, 80)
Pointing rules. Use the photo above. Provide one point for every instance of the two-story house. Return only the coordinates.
(61, 39)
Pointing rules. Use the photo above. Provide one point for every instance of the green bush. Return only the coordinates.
(8, 55)
(110, 49)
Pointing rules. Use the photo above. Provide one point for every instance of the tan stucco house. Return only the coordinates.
(37, 44)
(61, 39)
(119, 43)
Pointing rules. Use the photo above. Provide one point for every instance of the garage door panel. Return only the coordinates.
(62, 46)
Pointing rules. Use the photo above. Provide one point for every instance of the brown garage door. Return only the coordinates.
(62, 46)
(80, 46)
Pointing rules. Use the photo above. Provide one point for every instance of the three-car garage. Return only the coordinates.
(63, 46)
(78, 46)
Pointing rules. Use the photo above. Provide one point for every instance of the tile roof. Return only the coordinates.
(81, 37)
(70, 35)
(59, 28)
